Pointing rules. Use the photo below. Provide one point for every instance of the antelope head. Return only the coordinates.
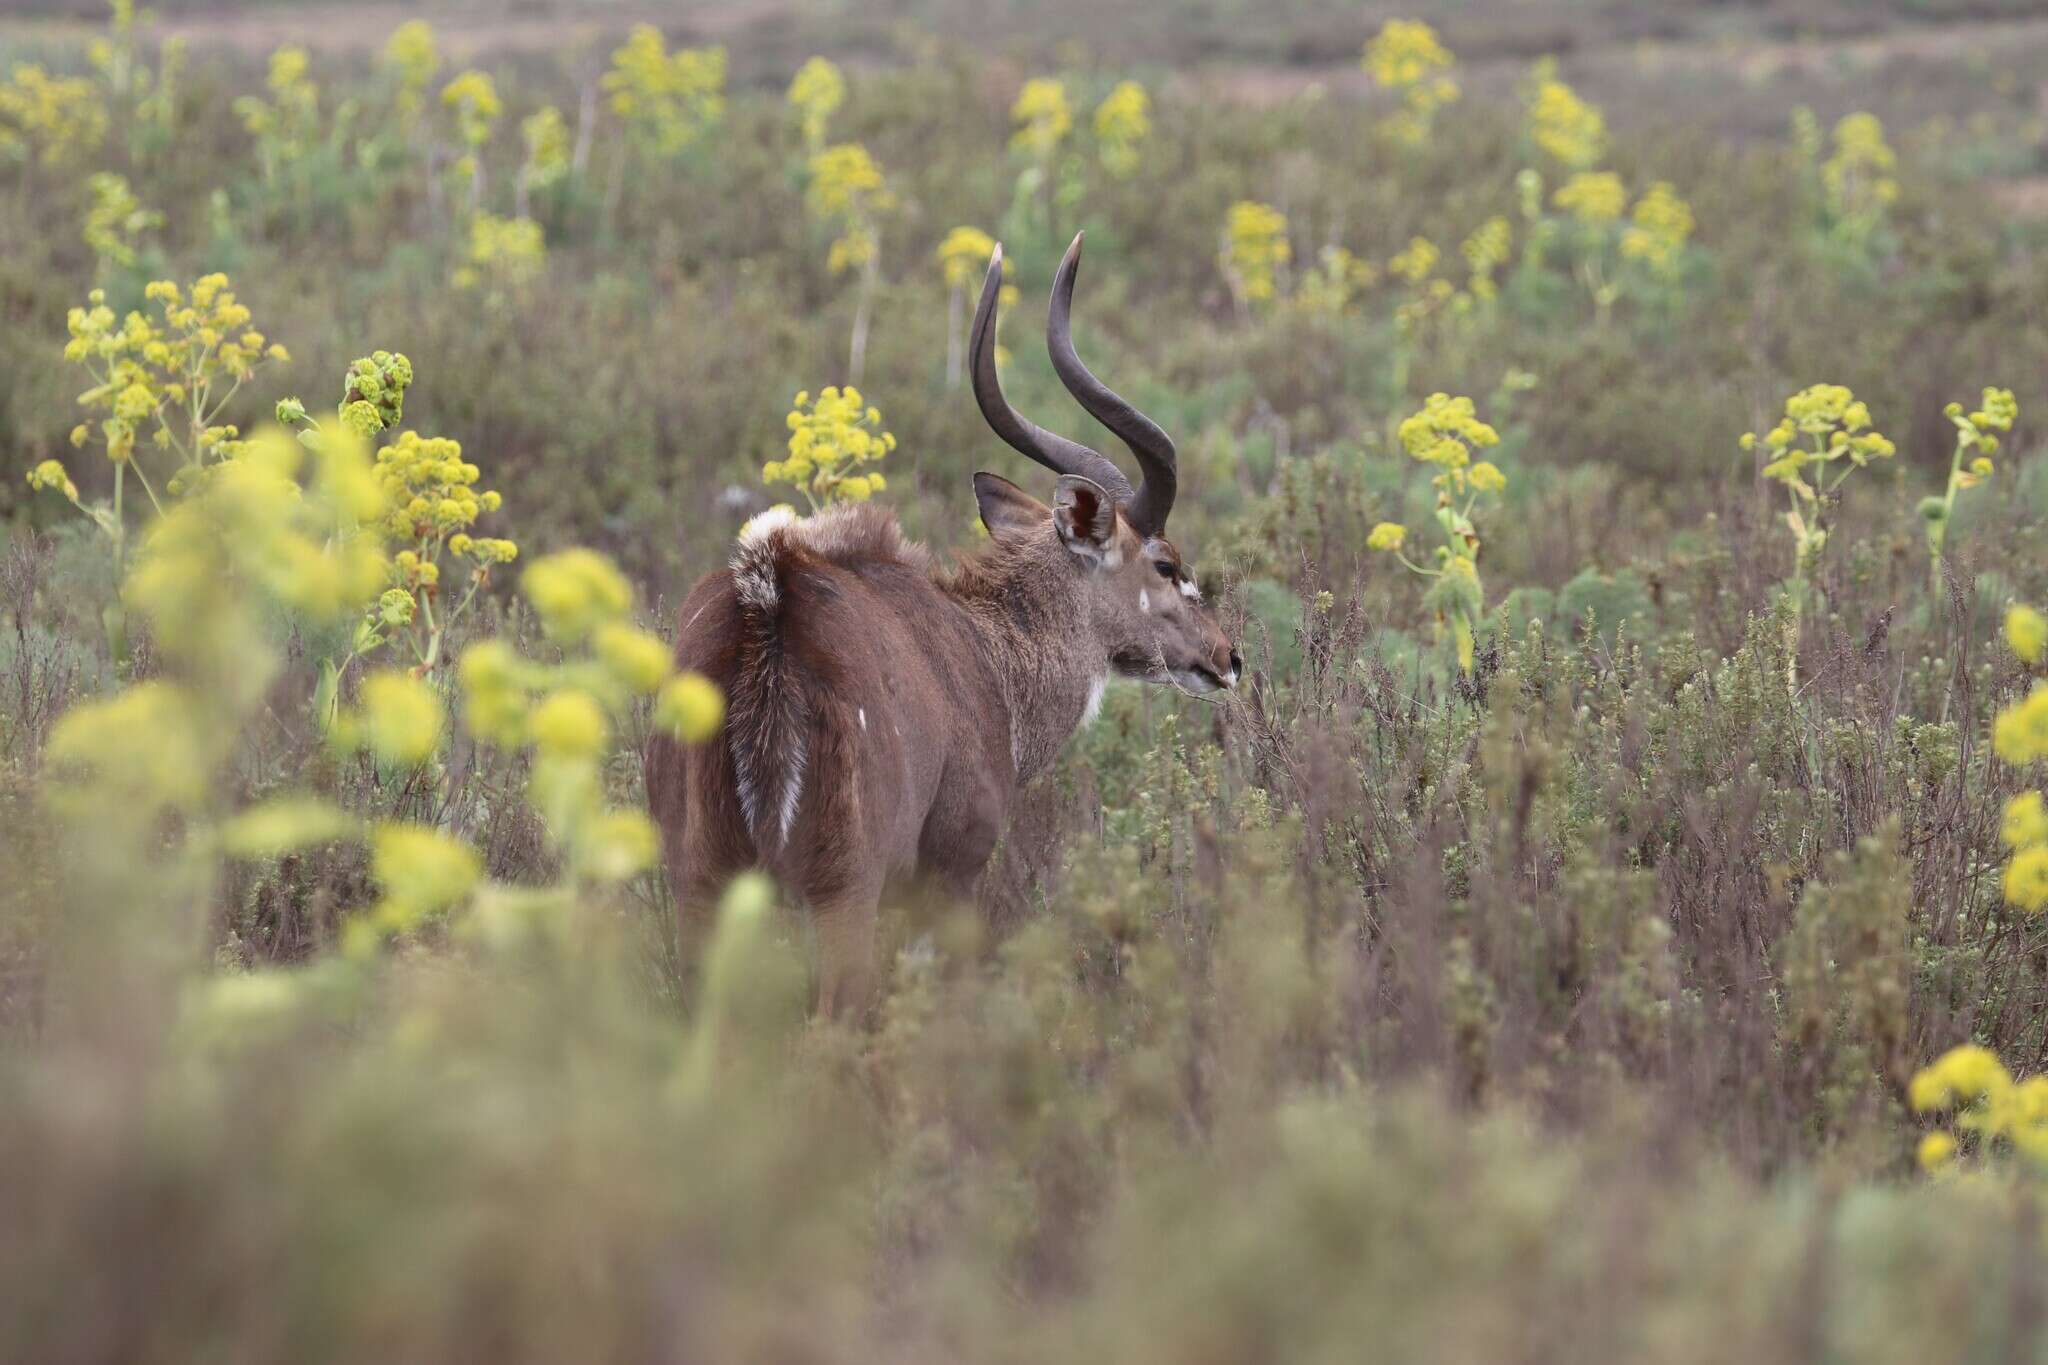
(1141, 597)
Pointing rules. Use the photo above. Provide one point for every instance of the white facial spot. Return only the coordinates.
(1144, 600)
(863, 718)
(1189, 590)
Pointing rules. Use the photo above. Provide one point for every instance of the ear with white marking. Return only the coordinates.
(1085, 516)
(1005, 508)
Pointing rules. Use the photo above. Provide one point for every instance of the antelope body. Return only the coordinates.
(883, 711)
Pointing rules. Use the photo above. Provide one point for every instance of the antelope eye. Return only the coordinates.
(1166, 569)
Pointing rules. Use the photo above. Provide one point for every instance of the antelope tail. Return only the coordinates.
(768, 711)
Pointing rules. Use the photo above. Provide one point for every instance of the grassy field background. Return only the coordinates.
(1576, 1004)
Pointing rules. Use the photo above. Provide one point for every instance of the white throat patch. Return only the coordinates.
(1094, 707)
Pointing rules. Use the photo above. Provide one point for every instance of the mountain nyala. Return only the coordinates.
(883, 709)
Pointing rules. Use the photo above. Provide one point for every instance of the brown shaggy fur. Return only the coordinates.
(883, 713)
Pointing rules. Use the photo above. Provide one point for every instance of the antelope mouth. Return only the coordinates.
(1202, 679)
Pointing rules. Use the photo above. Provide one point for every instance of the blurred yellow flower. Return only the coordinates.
(690, 708)
(2026, 631)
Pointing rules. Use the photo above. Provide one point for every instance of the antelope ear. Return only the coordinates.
(1085, 516)
(1005, 508)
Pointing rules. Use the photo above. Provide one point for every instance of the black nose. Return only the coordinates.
(1236, 664)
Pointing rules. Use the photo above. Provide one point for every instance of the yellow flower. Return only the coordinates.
(574, 592)
(2026, 630)
(1595, 198)
(2026, 879)
(1857, 178)
(2019, 734)
(422, 871)
(1485, 477)
(1387, 536)
(1962, 1075)
(494, 689)
(669, 101)
(1661, 224)
(401, 718)
(411, 52)
(1255, 247)
(1407, 57)
(1936, 1151)
(1445, 432)
(638, 659)
(618, 844)
(690, 708)
(831, 439)
(569, 724)
(816, 93)
(1043, 118)
(1122, 121)
(2025, 822)
(50, 474)
(965, 253)
(1564, 125)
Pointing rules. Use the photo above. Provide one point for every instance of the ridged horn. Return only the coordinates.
(1054, 451)
(1152, 447)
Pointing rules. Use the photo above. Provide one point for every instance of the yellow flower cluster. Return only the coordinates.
(1594, 198)
(1990, 1104)
(505, 253)
(816, 93)
(1659, 227)
(1969, 465)
(668, 100)
(574, 592)
(399, 720)
(51, 474)
(284, 126)
(473, 98)
(431, 499)
(1043, 118)
(116, 218)
(545, 134)
(251, 526)
(1335, 281)
(565, 712)
(2026, 833)
(1485, 252)
(1975, 430)
(1563, 125)
(1428, 294)
(2019, 735)
(1122, 122)
(847, 188)
(964, 254)
(1254, 249)
(1445, 433)
(831, 440)
(1835, 424)
(414, 59)
(62, 117)
(160, 376)
(2026, 631)
(1415, 262)
(372, 394)
(1858, 177)
(1407, 57)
